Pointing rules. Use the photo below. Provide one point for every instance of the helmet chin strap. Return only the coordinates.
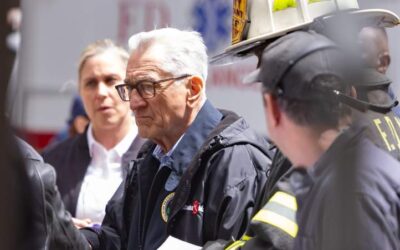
(362, 105)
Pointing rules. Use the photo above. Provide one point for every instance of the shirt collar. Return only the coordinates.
(120, 148)
(190, 142)
(158, 153)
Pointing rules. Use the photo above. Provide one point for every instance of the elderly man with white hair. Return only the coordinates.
(200, 176)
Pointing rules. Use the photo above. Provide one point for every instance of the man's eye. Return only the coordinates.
(146, 85)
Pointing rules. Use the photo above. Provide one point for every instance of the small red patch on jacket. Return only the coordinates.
(196, 205)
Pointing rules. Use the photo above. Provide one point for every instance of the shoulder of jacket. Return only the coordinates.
(27, 151)
(65, 146)
(41, 172)
(239, 136)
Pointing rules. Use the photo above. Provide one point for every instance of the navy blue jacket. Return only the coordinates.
(222, 165)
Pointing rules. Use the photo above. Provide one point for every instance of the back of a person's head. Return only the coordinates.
(183, 51)
(304, 70)
(375, 48)
(322, 111)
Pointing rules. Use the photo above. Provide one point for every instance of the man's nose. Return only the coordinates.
(136, 101)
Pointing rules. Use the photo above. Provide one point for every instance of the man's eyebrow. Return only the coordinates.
(138, 79)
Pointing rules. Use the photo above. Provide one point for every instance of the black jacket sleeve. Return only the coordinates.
(52, 223)
(62, 232)
(238, 174)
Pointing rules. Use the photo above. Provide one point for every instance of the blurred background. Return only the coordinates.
(40, 53)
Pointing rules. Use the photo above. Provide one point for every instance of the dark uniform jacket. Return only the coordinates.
(71, 158)
(222, 166)
(384, 131)
(350, 198)
(52, 224)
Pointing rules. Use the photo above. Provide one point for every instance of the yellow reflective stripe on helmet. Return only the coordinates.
(284, 199)
(315, 1)
(284, 4)
(235, 245)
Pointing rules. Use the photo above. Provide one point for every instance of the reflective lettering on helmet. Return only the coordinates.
(239, 19)
(284, 4)
(394, 132)
(382, 133)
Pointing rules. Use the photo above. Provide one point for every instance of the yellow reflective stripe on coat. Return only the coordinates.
(239, 243)
(246, 237)
(284, 199)
(280, 212)
(236, 245)
(290, 227)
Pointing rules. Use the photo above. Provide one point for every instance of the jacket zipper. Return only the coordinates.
(140, 209)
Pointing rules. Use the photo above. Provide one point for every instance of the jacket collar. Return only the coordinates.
(206, 120)
(302, 179)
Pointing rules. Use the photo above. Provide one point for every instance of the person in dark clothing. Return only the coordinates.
(346, 187)
(76, 124)
(383, 126)
(376, 43)
(52, 225)
(264, 233)
(17, 206)
(201, 174)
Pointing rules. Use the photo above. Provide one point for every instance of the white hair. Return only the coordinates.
(185, 52)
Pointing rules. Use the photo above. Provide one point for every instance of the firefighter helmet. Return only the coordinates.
(257, 21)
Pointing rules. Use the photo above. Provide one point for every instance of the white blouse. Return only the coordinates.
(102, 177)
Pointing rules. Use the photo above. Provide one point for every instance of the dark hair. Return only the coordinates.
(323, 110)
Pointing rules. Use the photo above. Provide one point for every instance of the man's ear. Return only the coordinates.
(196, 88)
(272, 109)
(384, 62)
